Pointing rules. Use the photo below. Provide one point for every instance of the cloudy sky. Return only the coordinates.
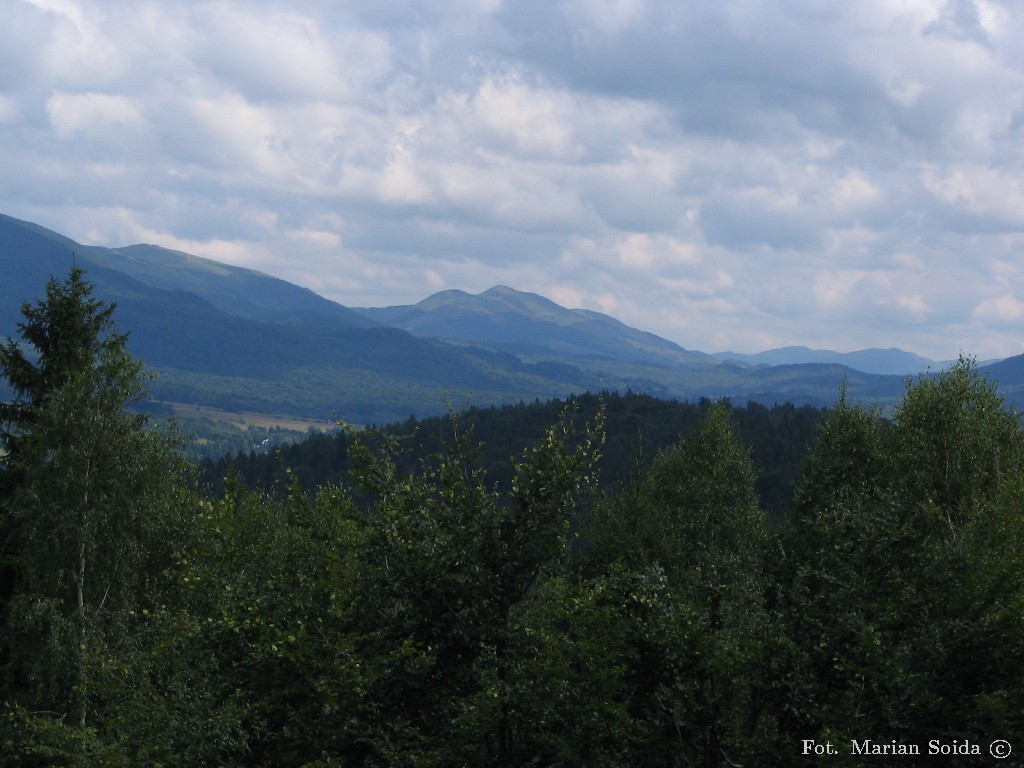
(730, 174)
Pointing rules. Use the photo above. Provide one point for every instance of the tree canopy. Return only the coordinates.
(432, 609)
(90, 512)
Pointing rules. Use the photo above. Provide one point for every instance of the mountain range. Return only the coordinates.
(532, 327)
(233, 338)
(891, 362)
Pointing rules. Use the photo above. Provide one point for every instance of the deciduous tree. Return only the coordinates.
(90, 519)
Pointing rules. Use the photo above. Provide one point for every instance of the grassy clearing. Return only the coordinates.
(189, 412)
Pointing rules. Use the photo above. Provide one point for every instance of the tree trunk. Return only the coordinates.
(81, 681)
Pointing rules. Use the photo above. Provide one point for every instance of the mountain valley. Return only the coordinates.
(235, 339)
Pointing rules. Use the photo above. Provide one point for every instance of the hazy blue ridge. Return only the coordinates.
(892, 361)
(236, 290)
(531, 325)
(1009, 375)
(232, 338)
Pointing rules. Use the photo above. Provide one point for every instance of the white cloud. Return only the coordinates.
(605, 16)
(727, 174)
(241, 138)
(283, 55)
(535, 121)
(854, 191)
(915, 306)
(994, 194)
(658, 252)
(9, 111)
(401, 182)
(92, 114)
(1001, 309)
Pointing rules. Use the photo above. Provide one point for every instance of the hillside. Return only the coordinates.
(234, 339)
(637, 427)
(194, 322)
(532, 326)
(238, 291)
(892, 361)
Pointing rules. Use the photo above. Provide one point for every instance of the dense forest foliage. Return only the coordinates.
(424, 613)
(636, 428)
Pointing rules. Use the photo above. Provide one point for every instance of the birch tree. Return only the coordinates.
(86, 511)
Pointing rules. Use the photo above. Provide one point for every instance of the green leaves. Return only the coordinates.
(91, 515)
(955, 444)
(690, 539)
(888, 593)
(434, 618)
(445, 567)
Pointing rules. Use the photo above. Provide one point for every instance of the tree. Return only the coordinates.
(956, 444)
(831, 669)
(958, 466)
(269, 677)
(900, 591)
(694, 519)
(445, 568)
(90, 513)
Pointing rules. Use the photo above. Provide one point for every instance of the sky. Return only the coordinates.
(729, 174)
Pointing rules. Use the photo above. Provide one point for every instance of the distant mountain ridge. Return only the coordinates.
(38, 254)
(531, 325)
(238, 291)
(891, 362)
(236, 339)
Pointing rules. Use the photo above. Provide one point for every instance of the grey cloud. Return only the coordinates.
(634, 207)
(761, 79)
(717, 79)
(731, 224)
(691, 164)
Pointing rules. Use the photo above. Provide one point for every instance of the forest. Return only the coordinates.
(427, 609)
(636, 428)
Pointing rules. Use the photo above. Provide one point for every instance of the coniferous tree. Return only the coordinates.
(88, 512)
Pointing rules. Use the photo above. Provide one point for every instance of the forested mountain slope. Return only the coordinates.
(423, 612)
(532, 326)
(637, 427)
(234, 339)
(32, 254)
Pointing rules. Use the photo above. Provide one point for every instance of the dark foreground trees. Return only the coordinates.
(90, 521)
(691, 531)
(429, 617)
(901, 595)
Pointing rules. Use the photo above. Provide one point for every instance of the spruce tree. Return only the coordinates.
(87, 514)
